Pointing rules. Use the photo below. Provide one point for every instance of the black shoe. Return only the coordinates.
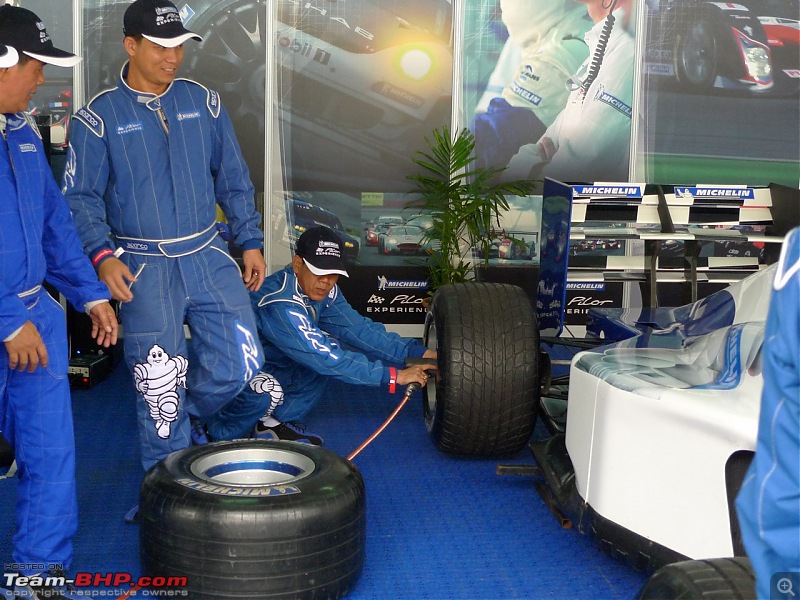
(199, 432)
(51, 585)
(289, 431)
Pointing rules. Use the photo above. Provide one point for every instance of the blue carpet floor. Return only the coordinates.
(438, 527)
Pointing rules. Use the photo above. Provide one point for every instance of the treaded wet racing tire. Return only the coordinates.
(485, 397)
(254, 519)
(729, 578)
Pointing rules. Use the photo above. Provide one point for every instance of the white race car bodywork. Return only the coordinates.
(653, 420)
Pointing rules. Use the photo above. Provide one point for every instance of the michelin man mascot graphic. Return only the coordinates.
(158, 380)
(263, 383)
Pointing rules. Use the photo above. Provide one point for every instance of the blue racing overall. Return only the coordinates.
(768, 504)
(144, 176)
(38, 243)
(303, 344)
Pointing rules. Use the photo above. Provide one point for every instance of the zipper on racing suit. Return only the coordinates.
(163, 119)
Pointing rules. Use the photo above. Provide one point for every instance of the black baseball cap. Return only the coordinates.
(157, 20)
(25, 32)
(321, 250)
(8, 56)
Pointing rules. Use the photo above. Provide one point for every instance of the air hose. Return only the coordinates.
(410, 389)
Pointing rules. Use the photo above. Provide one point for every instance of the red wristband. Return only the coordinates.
(101, 255)
(392, 380)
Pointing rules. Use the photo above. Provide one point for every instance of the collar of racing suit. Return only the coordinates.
(151, 101)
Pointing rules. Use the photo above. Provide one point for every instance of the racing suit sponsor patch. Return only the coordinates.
(158, 380)
(527, 95)
(183, 116)
(612, 101)
(213, 103)
(27, 148)
(92, 121)
(129, 128)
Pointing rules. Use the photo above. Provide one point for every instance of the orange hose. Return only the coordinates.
(409, 390)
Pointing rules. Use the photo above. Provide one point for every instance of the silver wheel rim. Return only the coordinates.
(252, 467)
(431, 343)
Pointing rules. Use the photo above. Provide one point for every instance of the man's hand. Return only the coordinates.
(255, 269)
(546, 148)
(104, 324)
(415, 374)
(118, 277)
(27, 350)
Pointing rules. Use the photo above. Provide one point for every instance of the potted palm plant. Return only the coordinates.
(465, 203)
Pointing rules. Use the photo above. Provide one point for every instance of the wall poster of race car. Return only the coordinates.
(720, 83)
(359, 84)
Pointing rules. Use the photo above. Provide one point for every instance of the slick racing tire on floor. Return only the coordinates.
(486, 394)
(254, 519)
(729, 578)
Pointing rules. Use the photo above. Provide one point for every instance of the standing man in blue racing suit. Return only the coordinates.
(768, 504)
(38, 243)
(302, 318)
(149, 161)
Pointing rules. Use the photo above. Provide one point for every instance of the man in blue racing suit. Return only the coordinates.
(304, 323)
(149, 161)
(768, 504)
(38, 243)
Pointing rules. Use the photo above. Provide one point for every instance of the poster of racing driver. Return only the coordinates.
(558, 102)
